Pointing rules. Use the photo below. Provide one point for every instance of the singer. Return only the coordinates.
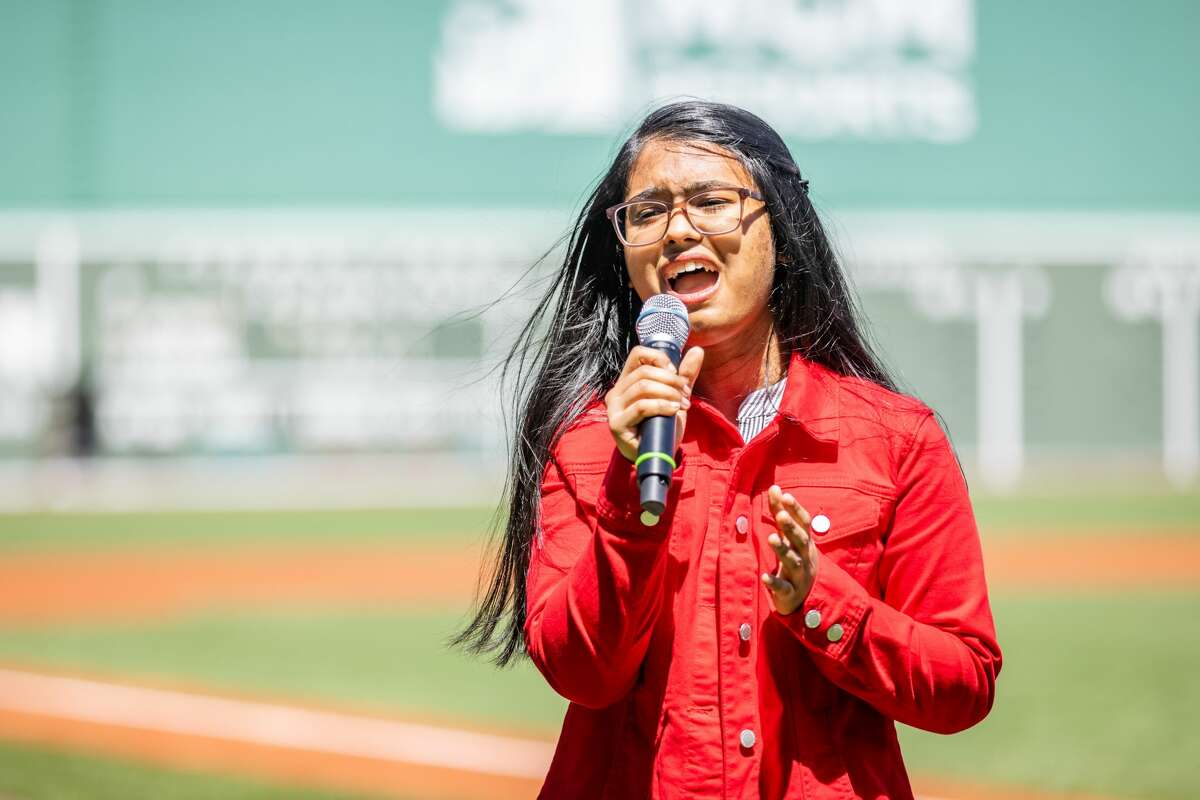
(815, 575)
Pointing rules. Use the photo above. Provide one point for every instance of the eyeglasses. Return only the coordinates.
(711, 212)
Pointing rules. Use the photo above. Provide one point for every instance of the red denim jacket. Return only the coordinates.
(683, 679)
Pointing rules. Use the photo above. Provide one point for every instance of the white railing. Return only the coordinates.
(342, 303)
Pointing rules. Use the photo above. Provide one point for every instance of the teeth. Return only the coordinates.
(692, 266)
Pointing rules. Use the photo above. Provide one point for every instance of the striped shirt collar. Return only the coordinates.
(759, 408)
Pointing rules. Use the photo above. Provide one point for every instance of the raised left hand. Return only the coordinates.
(798, 554)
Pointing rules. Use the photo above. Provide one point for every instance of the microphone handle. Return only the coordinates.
(656, 450)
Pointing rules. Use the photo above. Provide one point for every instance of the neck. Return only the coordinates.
(737, 366)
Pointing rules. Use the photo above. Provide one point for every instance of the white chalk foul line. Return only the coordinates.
(274, 725)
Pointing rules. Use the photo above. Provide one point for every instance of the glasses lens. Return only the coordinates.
(718, 211)
(643, 223)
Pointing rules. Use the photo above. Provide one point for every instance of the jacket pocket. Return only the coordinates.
(846, 525)
(586, 481)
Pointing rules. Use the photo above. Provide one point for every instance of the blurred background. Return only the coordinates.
(259, 260)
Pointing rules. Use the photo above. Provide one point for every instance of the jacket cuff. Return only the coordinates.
(829, 620)
(619, 505)
(620, 502)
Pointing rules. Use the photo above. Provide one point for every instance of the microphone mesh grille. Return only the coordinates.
(663, 315)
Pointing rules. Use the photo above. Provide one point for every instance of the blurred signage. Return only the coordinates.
(245, 332)
(246, 341)
(871, 70)
(238, 333)
(22, 357)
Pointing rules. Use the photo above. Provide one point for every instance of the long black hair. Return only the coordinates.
(573, 347)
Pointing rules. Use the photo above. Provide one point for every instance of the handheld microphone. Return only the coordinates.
(663, 325)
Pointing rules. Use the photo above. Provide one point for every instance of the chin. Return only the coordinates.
(711, 325)
(704, 331)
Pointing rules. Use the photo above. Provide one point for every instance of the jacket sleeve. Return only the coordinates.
(594, 585)
(925, 653)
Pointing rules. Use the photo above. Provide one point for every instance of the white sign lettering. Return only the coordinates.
(818, 70)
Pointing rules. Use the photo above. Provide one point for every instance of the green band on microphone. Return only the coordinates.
(655, 454)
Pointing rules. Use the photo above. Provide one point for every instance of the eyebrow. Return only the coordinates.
(688, 191)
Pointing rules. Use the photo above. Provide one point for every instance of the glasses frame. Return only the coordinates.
(743, 193)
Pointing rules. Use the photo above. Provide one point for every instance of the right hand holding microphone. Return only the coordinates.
(650, 386)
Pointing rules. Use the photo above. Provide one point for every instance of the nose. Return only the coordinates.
(679, 227)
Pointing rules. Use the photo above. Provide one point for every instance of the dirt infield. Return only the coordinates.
(41, 588)
(275, 764)
(76, 586)
(47, 588)
(303, 745)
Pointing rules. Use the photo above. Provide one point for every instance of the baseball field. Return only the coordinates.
(302, 654)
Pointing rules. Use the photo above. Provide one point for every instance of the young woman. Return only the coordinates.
(817, 575)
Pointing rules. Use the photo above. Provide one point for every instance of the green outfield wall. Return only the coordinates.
(118, 103)
(257, 227)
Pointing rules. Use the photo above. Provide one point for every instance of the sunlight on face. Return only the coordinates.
(724, 279)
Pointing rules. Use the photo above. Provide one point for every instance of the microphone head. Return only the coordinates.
(663, 316)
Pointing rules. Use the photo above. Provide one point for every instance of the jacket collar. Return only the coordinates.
(811, 399)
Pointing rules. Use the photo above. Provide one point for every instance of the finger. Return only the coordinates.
(648, 372)
(778, 545)
(789, 559)
(778, 586)
(655, 373)
(775, 499)
(798, 511)
(801, 515)
(647, 407)
(795, 534)
(647, 355)
(778, 510)
(650, 389)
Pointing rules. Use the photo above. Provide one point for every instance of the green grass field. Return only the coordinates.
(30, 772)
(1084, 513)
(41, 532)
(1098, 692)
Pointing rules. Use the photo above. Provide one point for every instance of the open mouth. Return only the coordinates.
(695, 280)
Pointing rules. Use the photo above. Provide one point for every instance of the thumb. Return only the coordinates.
(680, 424)
(689, 367)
